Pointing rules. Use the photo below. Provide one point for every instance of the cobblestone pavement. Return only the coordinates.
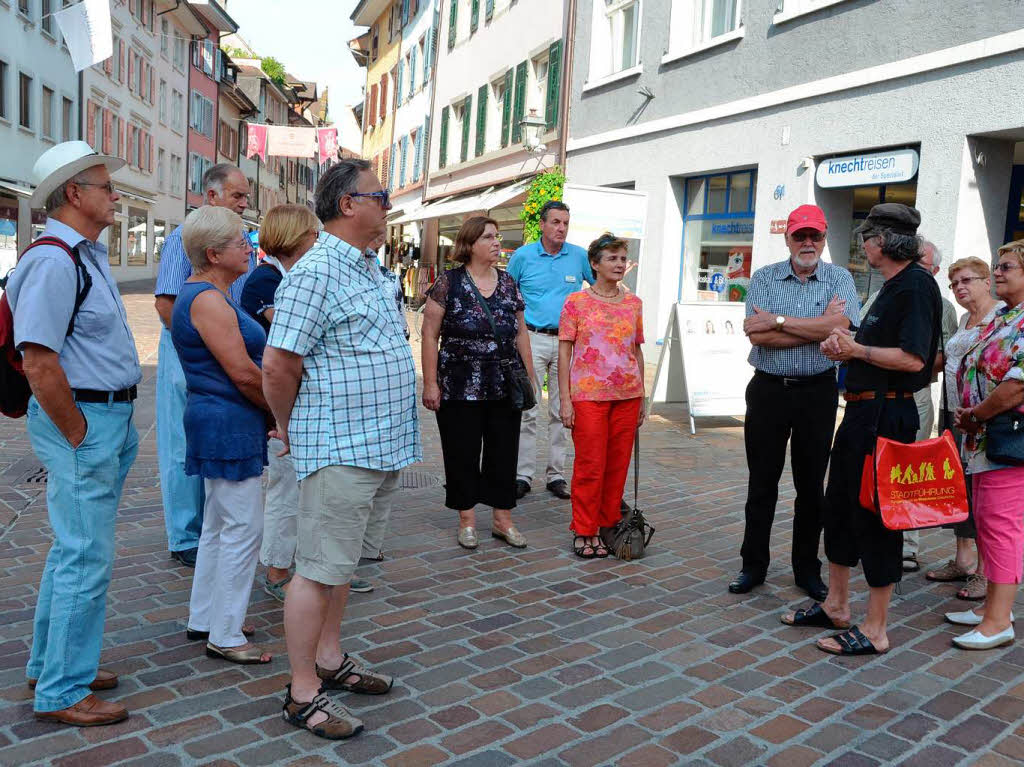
(519, 656)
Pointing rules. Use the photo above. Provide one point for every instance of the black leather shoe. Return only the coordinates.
(522, 488)
(560, 488)
(187, 557)
(815, 588)
(744, 582)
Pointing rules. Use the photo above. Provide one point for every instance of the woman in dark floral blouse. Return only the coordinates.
(464, 382)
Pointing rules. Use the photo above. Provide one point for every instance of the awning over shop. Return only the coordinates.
(16, 189)
(136, 196)
(490, 198)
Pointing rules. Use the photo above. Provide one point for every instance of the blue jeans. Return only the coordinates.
(182, 495)
(83, 490)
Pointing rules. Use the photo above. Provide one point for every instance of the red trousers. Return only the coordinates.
(603, 438)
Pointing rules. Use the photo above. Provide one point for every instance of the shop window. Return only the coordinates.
(696, 22)
(136, 237)
(718, 187)
(615, 42)
(159, 236)
(114, 242)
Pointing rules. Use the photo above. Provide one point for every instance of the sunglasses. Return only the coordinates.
(383, 197)
(805, 236)
(1005, 266)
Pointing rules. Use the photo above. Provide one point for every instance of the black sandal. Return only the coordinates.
(580, 550)
(814, 616)
(600, 550)
(852, 642)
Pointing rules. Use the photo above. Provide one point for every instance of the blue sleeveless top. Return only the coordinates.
(225, 433)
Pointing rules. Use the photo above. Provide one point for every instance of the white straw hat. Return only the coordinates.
(63, 162)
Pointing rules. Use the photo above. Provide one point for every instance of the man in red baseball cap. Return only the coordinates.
(792, 306)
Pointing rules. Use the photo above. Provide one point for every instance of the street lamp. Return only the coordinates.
(533, 127)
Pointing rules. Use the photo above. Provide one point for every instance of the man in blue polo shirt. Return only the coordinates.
(547, 271)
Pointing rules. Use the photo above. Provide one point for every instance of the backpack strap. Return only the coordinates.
(83, 280)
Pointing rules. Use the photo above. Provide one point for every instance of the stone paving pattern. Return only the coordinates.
(528, 656)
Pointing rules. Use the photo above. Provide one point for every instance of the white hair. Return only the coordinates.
(209, 227)
(936, 253)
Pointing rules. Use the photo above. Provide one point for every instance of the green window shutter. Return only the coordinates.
(474, 15)
(506, 110)
(554, 83)
(453, 18)
(481, 120)
(519, 105)
(467, 113)
(443, 154)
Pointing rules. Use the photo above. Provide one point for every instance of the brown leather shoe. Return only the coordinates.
(90, 711)
(105, 680)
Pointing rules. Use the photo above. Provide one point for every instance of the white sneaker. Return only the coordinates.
(967, 618)
(975, 640)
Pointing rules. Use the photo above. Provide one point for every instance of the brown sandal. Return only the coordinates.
(339, 723)
(950, 571)
(975, 588)
(369, 682)
(248, 657)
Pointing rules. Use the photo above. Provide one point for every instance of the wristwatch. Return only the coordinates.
(779, 322)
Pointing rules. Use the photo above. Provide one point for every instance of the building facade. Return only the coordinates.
(730, 114)
(273, 105)
(39, 107)
(235, 108)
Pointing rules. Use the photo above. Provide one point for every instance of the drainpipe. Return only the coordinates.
(568, 54)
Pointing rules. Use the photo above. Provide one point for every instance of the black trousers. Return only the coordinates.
(853, 533)
(480, 444)
(801, 413)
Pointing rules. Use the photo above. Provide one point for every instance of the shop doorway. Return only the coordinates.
(866, 279)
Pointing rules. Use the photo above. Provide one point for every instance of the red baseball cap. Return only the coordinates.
(806, 217)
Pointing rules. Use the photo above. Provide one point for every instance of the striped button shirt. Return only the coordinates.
(775, 288)
(175, 268)
(356, 404)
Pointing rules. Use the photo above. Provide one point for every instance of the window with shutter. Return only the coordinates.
(489, 10)
(474, 15)
(384, 169)
(506, 109)
(519, 102)
(398, 84)
(453, 19)
(405, 152)
(412, 72)
(418, 139)
(90, 111)
(391, 166)
(467, 113)
(425, 47)
(120, 61)
(383, 97)
(108, 138)
(373, 106)
(442, 156)
(554, 83)
(481, 120)
(405, 12)
(131, 71)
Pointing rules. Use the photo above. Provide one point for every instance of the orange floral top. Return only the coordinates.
(604, 364)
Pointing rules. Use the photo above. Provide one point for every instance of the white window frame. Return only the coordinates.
(165, 33)
(537, 83)
(162, 96)
(161, 173)
(47, 131)
(690, 28)
(607, 39)
(791, 9)
(201, 114)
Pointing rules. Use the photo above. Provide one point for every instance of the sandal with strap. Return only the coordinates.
(580, 549)
(950, 571)
(249, 657)
(368, 683)
(852, 642)
(815, 616)
(975, 588)
(339, 723)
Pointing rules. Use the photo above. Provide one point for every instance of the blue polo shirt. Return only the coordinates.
(545, 281)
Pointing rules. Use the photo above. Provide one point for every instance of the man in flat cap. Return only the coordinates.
(80, 360)
(890, 357)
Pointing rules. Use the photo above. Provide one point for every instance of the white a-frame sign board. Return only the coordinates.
(706, 339)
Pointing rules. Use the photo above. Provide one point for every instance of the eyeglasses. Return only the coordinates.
(383, 197)
(1005, 266)
(861, 239)
(954, 284)
(805, 236)
(497, 236)
(109, 186)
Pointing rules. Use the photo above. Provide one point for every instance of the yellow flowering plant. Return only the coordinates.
(546, 186)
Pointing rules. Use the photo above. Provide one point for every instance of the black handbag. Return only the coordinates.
(629, 538)
(518, 387)
(1004, 435)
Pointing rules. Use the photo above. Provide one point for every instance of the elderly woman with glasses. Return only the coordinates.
(221, 349)
(601, 383)
(991, 381)
(971, 285)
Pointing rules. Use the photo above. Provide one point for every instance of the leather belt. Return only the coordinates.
(545, 331)
(794, 381)
(862, 396)
(93, 395)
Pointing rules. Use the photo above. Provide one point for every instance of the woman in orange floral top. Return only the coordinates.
(601, 382)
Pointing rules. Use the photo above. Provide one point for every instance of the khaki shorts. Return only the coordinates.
(341, 508)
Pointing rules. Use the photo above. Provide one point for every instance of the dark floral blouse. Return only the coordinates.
(468, 364)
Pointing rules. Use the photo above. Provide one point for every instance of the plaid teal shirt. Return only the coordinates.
(357, 402)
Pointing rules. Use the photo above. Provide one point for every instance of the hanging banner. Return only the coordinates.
(327, 139)
(285, 141)
(86, 30)
(257, 144)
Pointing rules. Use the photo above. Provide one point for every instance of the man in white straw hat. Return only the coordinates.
(80, 360)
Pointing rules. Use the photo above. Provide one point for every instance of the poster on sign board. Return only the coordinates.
(708, 336)
(594, 210)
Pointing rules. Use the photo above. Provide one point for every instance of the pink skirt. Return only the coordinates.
(999, 517)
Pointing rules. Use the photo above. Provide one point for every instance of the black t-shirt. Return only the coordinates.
(906, 315)
(258, 292)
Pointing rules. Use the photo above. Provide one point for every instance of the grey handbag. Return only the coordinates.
(629, 538)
